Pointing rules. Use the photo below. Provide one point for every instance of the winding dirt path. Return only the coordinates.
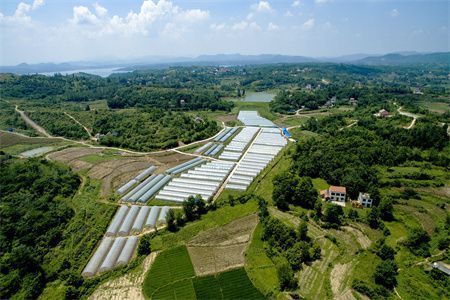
(47, 135)
(79, 123)
(30, 122)
(411, 115)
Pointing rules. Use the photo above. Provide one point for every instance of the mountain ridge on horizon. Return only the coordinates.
(393, 58)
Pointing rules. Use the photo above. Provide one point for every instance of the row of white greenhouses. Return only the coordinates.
(120, 240)
(263, 150)
(204, 180)
(144, 174)
(234, 150)
(136, 218)
(111, 253)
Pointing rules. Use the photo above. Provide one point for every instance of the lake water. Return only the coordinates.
(103, 72)
(258, 97)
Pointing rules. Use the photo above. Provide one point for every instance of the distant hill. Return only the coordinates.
(439, 58)
(152, 62)
(253, 59)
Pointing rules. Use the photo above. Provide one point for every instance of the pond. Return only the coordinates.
(258, 97)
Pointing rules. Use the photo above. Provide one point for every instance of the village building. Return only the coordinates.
(383, 113)
(334, 193)
(353, 101)
(364, 199)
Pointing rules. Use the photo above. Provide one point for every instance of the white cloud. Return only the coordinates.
(217, 27)
(37, 4)
(288, 14)
(262, 6)
(100, 10)
(273, 27)
(394, 13)
(21, 13)
(243, 25)
(309, 24)
(296, 3)
(240, 26)
(83, 16)
(193, 15)
(321, 1)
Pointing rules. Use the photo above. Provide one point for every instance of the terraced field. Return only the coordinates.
(172, 276)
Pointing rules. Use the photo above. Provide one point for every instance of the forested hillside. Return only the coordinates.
(34, 216)
(151, 129)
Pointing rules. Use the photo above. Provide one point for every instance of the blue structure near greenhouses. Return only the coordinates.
(286, 133)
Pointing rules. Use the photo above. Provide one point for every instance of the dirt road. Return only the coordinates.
(30, 122)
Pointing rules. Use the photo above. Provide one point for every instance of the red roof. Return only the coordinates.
(338, 189)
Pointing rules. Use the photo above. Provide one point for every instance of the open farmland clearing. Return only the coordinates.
(222, 248)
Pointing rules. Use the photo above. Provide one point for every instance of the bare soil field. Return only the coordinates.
(128, 286)
(220, 249)
(115, 169)
(338, 287)
(226, 118)
(70, 154)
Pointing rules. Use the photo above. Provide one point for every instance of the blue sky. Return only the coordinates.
(72, 30)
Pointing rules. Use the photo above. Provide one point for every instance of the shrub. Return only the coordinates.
(417, 242)
(286, 277)
(385, 273)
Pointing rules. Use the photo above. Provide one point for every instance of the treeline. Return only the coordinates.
(181, 91)
(168, 98)
(33, 216)
(151, 129)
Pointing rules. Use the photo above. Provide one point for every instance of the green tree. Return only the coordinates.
(303, 231)
(298, 254)
(171, 221)
(385, 274)
(286, 277)
(283, 190)
(333, 214)
(418, 242)
(373, 218)
(353, 214)
(305, 193)
(386, 209)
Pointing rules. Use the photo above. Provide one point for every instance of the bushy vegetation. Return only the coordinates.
(34, 217)
(288, 247)
(59, 124)
(151, 129)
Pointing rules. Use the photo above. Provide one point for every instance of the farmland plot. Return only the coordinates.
(222, 248)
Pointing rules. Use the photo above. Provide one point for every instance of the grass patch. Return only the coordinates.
(260, 268)
(207, 288)
(169, 267)
(320, 184)
(212, 219)
(262, 185)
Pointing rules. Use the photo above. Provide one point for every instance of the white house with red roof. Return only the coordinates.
(334, 193)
